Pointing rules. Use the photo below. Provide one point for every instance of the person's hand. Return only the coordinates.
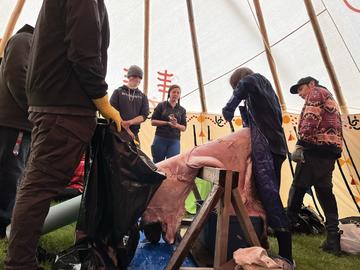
(228, 114)
(173, 125)
(126, 124)
(298, 154)
(108, 111)
(132, 135)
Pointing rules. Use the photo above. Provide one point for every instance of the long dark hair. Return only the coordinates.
(173, 86)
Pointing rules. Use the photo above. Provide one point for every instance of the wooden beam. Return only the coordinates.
(222, 226)
(325, 56)
(211, 174)
(183, 249)
(269, 56)
(244, 219)
(146, 45)
(11, 25)
(196, 55)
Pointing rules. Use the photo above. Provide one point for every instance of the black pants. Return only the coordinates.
(315, 171)
(11, 168)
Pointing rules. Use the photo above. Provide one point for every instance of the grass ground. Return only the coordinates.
(305, 248)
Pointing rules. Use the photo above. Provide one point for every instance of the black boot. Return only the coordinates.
(332, 243)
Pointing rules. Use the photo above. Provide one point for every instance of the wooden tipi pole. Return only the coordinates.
(196, 55)
(10, 25)
(146, 45)
(326, 58)
(269, 54)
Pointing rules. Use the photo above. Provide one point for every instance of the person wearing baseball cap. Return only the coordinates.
(319, 145)
(132, 104)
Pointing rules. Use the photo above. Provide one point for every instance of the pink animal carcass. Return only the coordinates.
(231, 152)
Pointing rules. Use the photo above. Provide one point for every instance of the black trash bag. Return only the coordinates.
(120, 180)
(309, 222)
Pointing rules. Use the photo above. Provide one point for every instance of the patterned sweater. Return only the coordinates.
(320, 128)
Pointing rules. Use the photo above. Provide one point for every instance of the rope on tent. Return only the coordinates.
(342, 38)
(251, 58)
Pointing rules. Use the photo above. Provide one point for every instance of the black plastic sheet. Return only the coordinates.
(120, 181)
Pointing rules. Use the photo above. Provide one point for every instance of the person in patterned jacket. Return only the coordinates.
(319, 145)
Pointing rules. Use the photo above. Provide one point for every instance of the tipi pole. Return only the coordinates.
(269, 54)
(10, 25)
(326, 58)
(196, 55)
(146, 45)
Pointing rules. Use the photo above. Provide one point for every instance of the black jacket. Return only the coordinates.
(68, 59)
(13, 101)
(264, 106)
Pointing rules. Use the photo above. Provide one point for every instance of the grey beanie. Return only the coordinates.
(134, 70)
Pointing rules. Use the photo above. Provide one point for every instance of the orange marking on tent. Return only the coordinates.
(353, 182)
(286, 119)
(357, 199)
(291, 137)
(238, 121)
(201, 118)
(201, 134)
(341, 161)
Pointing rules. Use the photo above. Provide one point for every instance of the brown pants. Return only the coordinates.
(57, 144)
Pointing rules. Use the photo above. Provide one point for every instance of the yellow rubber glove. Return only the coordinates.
(108, 111)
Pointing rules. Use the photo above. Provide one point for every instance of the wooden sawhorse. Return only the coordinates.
(226, 194)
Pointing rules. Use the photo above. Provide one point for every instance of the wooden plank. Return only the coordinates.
(211, 174)
(195, 228)
(222, 227)
(244, 219)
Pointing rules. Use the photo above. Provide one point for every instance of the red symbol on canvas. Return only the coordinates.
(125, 80)
(165, 79)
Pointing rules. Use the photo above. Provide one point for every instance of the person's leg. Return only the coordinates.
(328, 203)
(302, 181)
(284, 236)
(56, 148)
(158, 149)
(173, 148)
(11, 167)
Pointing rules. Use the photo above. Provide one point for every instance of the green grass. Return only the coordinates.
(306, 251)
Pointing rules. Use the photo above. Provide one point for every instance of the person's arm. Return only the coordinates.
(83, 34)
(156, 117)
(240, 93)
(16, 62)
(108, 111)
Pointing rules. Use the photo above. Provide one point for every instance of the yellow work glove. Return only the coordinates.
(108, 111)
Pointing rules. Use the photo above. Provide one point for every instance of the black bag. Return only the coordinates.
(120, 181)
(308, 222)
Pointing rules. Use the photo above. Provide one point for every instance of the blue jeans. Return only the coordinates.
(163, 148)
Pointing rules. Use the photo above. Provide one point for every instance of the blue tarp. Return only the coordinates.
(154, 256)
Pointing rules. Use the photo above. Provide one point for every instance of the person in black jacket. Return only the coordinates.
(170, 119)
(65, 85)
(262, 113)
(15, 128)
(132, 104)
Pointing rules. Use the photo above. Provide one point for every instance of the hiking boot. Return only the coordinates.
(332, 243)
